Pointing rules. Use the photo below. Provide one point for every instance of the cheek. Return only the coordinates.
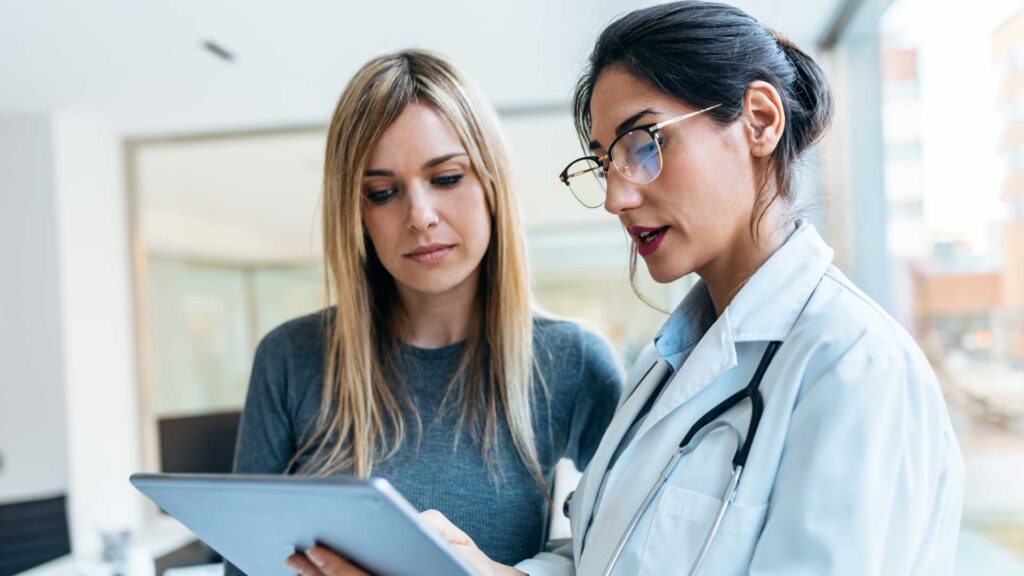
(472, 217)
(707, 183)
(382, 229)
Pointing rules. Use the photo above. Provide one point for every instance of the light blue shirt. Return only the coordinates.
(686, 326)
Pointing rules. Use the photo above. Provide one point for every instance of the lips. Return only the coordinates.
(647, 239)
(430, 253)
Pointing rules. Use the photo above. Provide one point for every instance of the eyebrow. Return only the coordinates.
(426, 165)
(626, 125)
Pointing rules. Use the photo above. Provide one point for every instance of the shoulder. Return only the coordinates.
(857, 369)
(845, 336)
(552, 332)
(294, 351)
(568, 353)
(297, 334)
(288, 367)
(567, 340)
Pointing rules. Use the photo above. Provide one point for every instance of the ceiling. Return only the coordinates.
(139, 66)
(228, 155)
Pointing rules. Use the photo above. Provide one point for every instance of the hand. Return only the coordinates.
(319, 561)
(464, 546)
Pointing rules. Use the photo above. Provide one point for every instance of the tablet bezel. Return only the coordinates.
(281, 486)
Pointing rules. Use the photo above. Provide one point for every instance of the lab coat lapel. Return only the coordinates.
(647, 373)
(711, 358)
(714, 355)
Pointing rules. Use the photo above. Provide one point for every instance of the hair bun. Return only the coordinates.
(810, 91)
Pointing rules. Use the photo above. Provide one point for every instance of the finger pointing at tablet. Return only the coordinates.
(464, 546)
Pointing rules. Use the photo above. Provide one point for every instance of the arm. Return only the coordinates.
(598, 389)
(265, 442)
(599, 385)
(860, 471)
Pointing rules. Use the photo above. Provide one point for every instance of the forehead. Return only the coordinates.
(419, 133)
(619, 94)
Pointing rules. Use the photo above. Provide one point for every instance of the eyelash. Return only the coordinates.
(448, 180)
(379, 197)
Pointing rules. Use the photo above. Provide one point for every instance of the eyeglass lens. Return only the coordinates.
(636, 155)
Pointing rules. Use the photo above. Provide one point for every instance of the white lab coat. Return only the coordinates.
(854, 468)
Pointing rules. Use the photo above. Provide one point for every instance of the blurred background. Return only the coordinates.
(160, 170)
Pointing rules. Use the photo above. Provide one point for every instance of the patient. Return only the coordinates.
(433, 370)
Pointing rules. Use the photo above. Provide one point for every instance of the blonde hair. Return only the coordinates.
(362, 394)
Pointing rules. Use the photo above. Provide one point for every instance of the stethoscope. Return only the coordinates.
(700, 429)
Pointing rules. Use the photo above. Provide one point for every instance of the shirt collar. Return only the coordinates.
(685, 327)
(765, 308)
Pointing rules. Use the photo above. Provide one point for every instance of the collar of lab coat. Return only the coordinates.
(768, 305)
(765, 309)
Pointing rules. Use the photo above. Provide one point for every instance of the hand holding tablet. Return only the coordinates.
(256, 522)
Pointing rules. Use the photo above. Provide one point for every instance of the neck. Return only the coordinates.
(726, 275)
(437, 320)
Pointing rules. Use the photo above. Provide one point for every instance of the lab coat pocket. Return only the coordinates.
(681, 522)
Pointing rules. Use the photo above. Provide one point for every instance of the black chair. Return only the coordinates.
(203, 443)
(33, 533)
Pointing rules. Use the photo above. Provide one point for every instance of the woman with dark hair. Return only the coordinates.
(780, 422)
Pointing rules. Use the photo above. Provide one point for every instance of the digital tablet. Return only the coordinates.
(256, 522)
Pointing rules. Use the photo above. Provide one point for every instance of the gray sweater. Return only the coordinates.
(501, 508)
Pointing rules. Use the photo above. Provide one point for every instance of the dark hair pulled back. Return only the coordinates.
(706, 53)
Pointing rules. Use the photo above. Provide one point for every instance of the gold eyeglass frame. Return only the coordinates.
(603, 161)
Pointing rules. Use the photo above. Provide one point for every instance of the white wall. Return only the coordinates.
(68, 401)
(32, 414)
(95, 264)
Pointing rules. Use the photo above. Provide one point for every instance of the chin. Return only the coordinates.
(438, 282)
(428, 287)
(666, 272)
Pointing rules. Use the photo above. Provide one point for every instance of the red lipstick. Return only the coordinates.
(647, 239)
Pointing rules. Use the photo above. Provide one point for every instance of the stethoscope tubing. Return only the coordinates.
(694, 436)
(666, 473)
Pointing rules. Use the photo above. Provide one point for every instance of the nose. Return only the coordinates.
(621, 194)
(422, 212)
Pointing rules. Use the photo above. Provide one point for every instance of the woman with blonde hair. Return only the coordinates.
(432, 370)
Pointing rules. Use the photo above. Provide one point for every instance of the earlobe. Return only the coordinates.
(765, 117)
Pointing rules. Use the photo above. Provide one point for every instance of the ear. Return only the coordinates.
(764, 116)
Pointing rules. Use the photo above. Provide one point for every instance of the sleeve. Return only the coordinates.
(557, 562)
(266, 441)
(859, 474)
(597, 394)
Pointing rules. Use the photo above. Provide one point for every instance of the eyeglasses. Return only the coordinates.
(636, 155)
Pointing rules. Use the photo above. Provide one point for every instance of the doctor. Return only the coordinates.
(780, 422)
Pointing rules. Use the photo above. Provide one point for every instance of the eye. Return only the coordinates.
(646, 150)
(447, 180)
(380, 196)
